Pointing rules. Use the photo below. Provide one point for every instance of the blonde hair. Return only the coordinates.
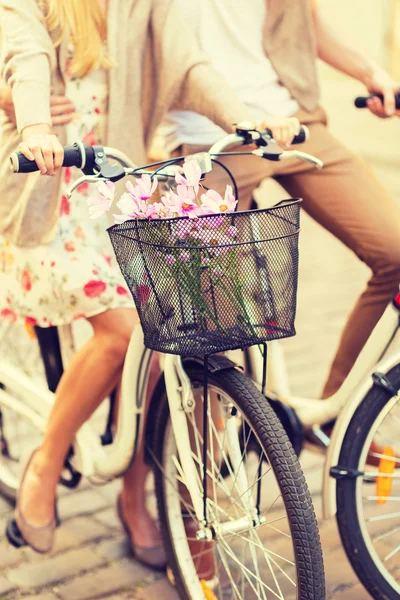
(86, 23)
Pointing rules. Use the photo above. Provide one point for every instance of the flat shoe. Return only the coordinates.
(153, 557)
(41, 538)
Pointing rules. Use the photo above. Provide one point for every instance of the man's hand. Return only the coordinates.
(283, 129)
(61, 108)
(379, 82)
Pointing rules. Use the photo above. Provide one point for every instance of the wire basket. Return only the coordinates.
(213, 283)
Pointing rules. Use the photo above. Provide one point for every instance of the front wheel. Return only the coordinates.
(265, 541)
(368, 504)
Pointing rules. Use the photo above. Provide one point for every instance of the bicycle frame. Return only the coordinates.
(343, 404)
(93, 459)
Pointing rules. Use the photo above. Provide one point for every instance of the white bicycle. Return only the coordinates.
(228, 483)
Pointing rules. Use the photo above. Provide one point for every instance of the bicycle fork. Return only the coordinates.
(181, 401)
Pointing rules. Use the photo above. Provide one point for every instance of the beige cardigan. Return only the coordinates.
(158, 67)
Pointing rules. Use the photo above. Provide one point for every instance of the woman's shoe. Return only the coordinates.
(154, 557)
(39, 538)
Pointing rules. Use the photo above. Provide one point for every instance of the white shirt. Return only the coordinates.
(231, 33)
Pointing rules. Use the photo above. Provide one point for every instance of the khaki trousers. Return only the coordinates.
(348, 200)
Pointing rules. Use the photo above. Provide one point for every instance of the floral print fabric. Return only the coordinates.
(76, 275)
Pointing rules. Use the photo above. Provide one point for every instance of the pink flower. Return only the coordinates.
(170, 259)
(183, 202)
(94, 288)
(212, 202)
(142, 293)
(231, 232)
(8, 314)
(100, 204)
(131, 207)
(184, 256)
(191, 176)
(213, 222)
(144, 188)
(218, 272)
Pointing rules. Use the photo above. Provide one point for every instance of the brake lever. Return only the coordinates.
(107, 172)
(303, 156)
(275, 153)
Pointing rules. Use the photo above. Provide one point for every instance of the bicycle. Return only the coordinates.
(366, 408)
(262, 496)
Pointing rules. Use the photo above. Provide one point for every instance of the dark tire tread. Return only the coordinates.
(295, 493)
(347, 516)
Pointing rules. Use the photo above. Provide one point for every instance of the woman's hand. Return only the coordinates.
(42, 146)
(379, 82)
(283, 129)
(61, 108)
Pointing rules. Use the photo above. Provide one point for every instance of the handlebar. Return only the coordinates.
(87, 158)
(77, 155)
(361, 101)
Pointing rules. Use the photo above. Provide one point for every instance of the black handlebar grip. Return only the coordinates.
(298, 139)
(361, 101)
(74, 156)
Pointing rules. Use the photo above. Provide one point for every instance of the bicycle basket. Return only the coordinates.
(213, 283)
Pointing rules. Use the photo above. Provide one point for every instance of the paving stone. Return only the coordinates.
(50, 571)
(156, 590)
(41, 596)
(338, 571)
(114, 548)
(122, 575)
(78, 531)
(109, 518)
(80, 503)
(10, 556)
(354, 592)
(329, 535)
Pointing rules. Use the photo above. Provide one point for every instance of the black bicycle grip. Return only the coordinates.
(300, 138)
(74, 156)
(361, 101)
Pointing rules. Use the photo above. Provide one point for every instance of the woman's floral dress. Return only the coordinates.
(76, 275)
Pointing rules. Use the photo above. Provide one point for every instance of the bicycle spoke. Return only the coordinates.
(391, 554)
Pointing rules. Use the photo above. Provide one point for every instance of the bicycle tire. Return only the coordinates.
(287, 470)
(348, 516)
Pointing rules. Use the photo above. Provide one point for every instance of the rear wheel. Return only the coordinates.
(368, 506)
(273, 552)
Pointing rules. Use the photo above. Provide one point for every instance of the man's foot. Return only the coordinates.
(144, 536)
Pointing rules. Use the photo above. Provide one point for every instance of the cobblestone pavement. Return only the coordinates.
(91, 557)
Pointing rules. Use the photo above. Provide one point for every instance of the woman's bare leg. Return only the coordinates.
(144, 530)
(92, 374)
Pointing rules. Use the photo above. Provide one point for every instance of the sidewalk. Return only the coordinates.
(91, 558)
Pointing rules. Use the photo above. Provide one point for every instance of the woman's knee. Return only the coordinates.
(113, 330)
